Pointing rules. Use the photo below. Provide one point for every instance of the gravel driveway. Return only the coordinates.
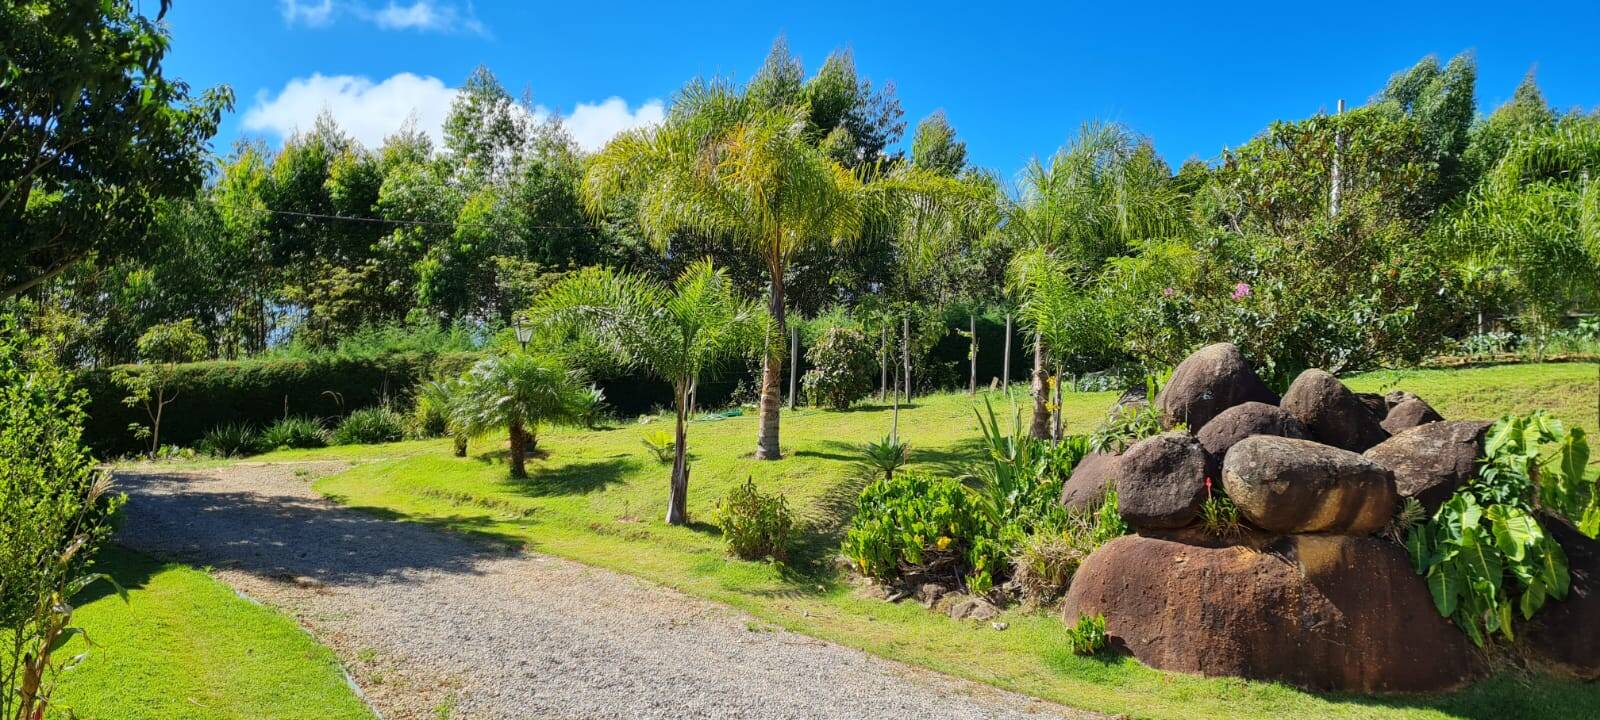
(430, 621)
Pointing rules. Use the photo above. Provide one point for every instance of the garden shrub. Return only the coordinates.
(843, 366)
(1088, 635)
(54, 512)
(916, 520)
(370, 425)
(293, 432)
(1484, 553)
(228, 440)
(662, 445)
(1043, 563)
(887, 456)
(755, 525)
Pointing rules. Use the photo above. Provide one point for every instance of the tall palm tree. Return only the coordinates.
(1096, 198)
(677, 333)
(519, 392)
(722, 164)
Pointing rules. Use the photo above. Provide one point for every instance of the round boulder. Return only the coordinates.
(1242, 421)
(1086, 487)
(1408, 414)
(1286, 485)
(1430, 461)
(1331, 413)
(1327, 613)
(1161, 481)
(1566, 633)
(1213, 379)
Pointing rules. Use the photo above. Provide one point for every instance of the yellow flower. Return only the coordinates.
(943, 542)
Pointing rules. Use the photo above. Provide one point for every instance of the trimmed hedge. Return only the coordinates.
(256, 392)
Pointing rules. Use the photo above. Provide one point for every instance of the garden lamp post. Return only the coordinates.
(524, 332)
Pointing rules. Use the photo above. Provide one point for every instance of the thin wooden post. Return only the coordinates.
(1338, 150)
(794, 361)
(972, 355)
(905, 353)
(1005, 371)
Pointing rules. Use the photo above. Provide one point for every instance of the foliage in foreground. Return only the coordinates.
(367, 426)
(1088, 635)
(54, 507)
(755, 525)
(1485, 553)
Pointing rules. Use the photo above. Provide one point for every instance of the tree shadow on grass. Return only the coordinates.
(130, 569)
(574, 479)
(954, 459)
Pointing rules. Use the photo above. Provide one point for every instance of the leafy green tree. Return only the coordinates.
(1526, 112)
(54, 506)
(1442, 102)
(94, 134)
(676, 333)
(770, 189)
(519, 391)
(161, 348)
(935, 146)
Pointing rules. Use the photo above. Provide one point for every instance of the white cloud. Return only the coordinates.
(370, 111)
(425, 15)
(419, 15)
(593, 124)
(311, 13)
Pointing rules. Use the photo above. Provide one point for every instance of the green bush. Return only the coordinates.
(754, 525)
(914, 519)
(1044, 563)
(887, 456)
(843, 364)
(54, 512)
(228, 440)
(258, 391)
(1088, 635)
(293, 432)
(368, 426)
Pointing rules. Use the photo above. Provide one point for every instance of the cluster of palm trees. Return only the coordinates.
(725, 164)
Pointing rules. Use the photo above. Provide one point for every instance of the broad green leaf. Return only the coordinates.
(1505, 622)
(1553, 569)
(1590, 524)
(1514, 530)
(1444, 589)
(1532, 599)
(1417, 547)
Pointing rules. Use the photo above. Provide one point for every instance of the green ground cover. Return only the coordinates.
(186, 647)
(598, 496)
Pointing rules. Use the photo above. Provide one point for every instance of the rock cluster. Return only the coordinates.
(1304, 594)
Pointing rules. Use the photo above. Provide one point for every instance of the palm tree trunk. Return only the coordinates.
(460, 440)
(972, 355)
(894, 417)
(772, 374)
(1005, 369)
(678, 492)
(1040, 427)
(519, 440)
(1061, 410)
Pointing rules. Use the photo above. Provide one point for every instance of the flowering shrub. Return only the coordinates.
(916, 520)
(842, 367)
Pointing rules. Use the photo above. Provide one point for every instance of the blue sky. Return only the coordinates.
(1015, 81)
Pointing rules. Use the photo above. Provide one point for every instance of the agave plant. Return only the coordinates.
(887, 456)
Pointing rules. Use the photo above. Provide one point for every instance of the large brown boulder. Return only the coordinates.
(1242, 421)
(1086, 487)
(1566, 633)
(1213, 379)
(1161, 481)
(1331, 413)
(1408, 414)
(1328, 613)
(1430, 461)
(1286, 485)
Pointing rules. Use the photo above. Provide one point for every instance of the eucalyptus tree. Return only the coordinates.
(1097, 198)
(518, 391)
(677, 332)
(725, 165)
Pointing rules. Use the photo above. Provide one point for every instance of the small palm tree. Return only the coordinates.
(726, 164)
(677, 333)
(519, 392)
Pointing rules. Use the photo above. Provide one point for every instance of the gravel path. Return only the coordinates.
(427, 619)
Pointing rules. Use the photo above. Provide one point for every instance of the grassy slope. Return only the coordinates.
(597, 498)
(185, 646)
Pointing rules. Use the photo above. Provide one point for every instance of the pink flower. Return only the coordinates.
(1168, 292)
(1241, 291)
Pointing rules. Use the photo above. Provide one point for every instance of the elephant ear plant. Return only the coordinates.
(1485, 554)
(677, 333)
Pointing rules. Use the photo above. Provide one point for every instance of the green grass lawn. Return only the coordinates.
(598, 497)
(186, 647)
